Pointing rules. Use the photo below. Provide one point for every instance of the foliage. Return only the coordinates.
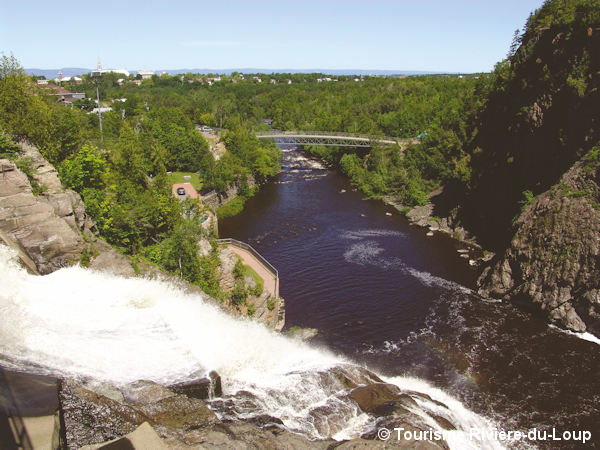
(178, 254)
(27, 113)
(232, 208)
(85, 170)
(8, 149)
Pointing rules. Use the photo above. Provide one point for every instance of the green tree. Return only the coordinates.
(85, 170)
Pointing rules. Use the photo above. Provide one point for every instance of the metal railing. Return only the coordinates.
(371, 137)
(208, 196)
(259, 258)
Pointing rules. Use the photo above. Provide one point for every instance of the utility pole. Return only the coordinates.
(97, 75)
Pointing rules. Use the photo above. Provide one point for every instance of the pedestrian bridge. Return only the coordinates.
(330, 138)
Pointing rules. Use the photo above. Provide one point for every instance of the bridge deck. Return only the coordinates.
(329, 138)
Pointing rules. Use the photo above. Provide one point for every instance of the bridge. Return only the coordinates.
(330, 138)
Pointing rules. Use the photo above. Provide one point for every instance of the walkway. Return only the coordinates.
(261, 266)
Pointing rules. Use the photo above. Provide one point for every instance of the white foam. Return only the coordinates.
(585, 336)
(82, 323)
(467, 420)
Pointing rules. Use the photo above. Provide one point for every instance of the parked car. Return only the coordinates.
(181, 191)
(206, 129)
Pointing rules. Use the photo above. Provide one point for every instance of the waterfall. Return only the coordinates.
(81, 323)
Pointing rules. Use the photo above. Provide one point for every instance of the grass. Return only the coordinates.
(250, 271)
(177, 177)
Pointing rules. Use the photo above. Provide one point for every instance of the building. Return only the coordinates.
(70, 80)
(146, 74)
(62, 95)
(100, 71)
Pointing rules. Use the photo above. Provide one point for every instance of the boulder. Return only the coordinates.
(144, 392)
(374, 395)
(143, 438)
(304, 334)
(203, 389)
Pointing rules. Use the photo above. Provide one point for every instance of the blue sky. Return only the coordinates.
(406, 35)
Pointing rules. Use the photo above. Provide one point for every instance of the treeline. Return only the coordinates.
(436, 108)
(121, 174)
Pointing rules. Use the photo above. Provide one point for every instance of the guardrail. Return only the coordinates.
(262, 261)
(208, 196)
(372, 137)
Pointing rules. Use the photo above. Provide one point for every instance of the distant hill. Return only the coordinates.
(72, 71)
(53, 73)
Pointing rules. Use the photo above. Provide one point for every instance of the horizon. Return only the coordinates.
(428, 36)
(78, 71)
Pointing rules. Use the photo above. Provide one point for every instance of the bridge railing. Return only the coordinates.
(372, 137)
(262, 261)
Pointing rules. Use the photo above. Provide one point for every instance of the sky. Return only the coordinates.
(451, 36)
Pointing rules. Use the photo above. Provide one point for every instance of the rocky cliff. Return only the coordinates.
(48, 222)
(47, 226)
(534, 192)
(552, 261)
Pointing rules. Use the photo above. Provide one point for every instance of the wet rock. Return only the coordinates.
(143, 438)
(179, 412)
(351, 377)
(144, 392)
(396, 407)
(202, 389)
(90, 418)
(304, 334)
(109, 260)
(264, 420)
(374, 395)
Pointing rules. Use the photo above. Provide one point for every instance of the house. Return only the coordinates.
(70, 80)
(62, 94)
(272, 81)
(102, 110)
(146, 74)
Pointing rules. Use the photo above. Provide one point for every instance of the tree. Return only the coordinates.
(86, 170)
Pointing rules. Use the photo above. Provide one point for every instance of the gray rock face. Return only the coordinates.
(46, 226)
(109, 260)
(553, 258)
(49, 227)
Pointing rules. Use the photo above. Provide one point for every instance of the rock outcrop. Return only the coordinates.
(553, 260)
(95, 415)
(47, 226)
(47, 222)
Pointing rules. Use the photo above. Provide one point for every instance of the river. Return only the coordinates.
(384, 294)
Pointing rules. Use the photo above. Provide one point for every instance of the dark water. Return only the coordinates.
(388, 296)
